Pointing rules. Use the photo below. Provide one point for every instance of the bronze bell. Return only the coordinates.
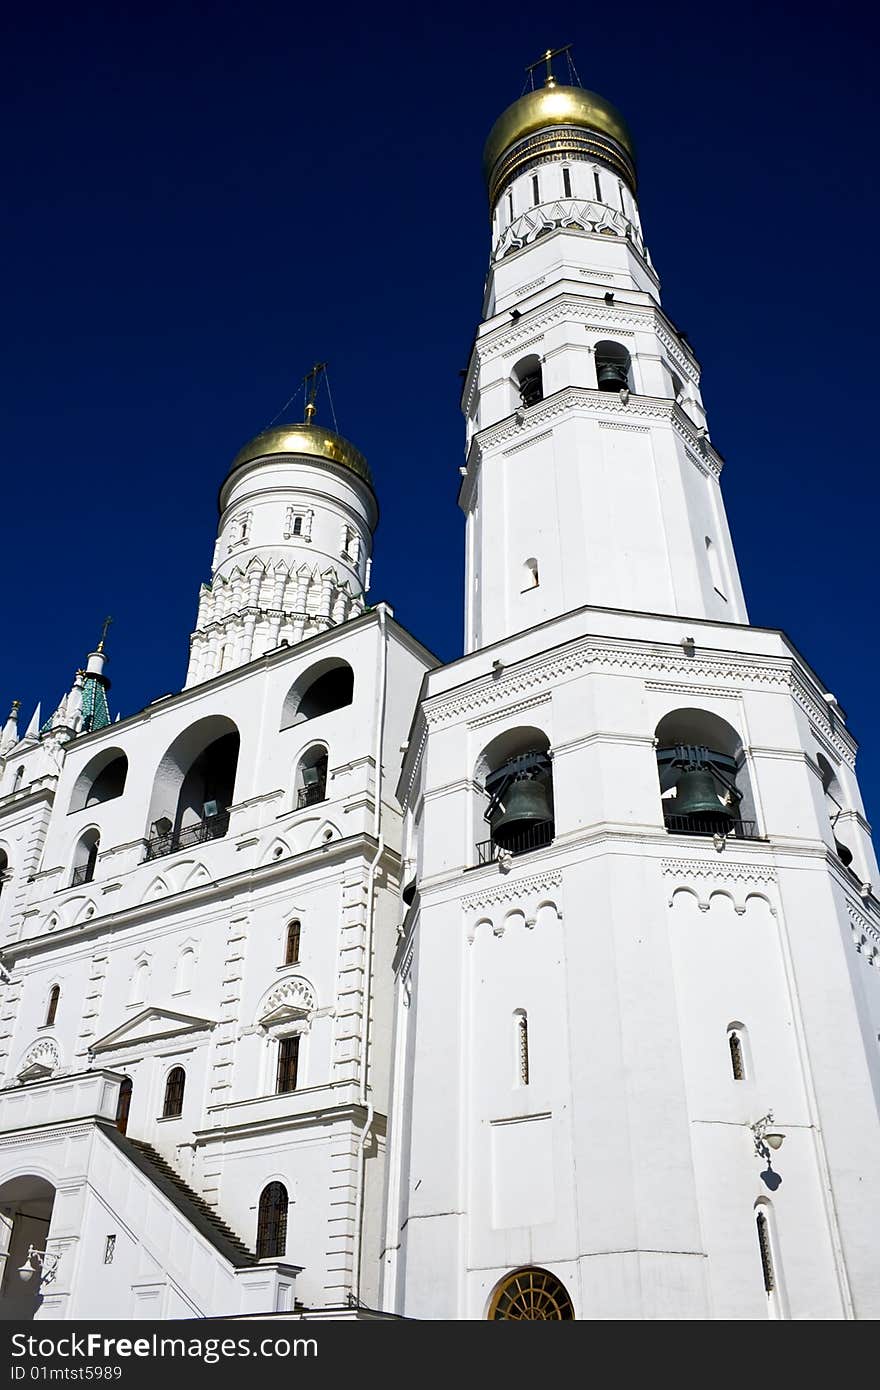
(526, 807)
(695, 795)
(611, 375)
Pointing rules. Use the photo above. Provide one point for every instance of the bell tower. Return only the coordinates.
(640, 925)
(591, 477)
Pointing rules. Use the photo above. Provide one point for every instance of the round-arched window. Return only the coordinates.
(531, 1295)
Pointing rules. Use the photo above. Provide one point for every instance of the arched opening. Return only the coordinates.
(292, 943)
(174, 1089)
(85, 857)
(102, 779)
(139, 979)
(272, 1222)
(768, 1251)
(18, 779)
(521, 1042)
(4, 869)
(311, 777)
(29, 1263)
(194, 787)
(52, 1006)
(123, 1105)
(528, 380)
(613, 367)
(530, 578)
(833, 793)
(704, 785)
(736, 1046)
(516, 774)
(323, 688)
(531, 1295)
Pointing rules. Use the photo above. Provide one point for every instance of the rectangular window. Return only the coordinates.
(296, 529)
(288, 1063)
(566, 183)
(598, 184)
(509, 208)
(536, 190)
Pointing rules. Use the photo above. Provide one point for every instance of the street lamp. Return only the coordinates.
(46, 1265)
(765, 1137)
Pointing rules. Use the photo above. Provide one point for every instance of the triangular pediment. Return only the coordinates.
(150, 1025)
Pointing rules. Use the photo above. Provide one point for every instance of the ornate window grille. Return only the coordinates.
(272, 1222)
(764, 1246)
(737, 1060)
(531, 1295)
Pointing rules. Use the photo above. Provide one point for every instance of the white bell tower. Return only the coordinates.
(641, 934)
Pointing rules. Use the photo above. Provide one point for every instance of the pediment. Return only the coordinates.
(150, 1025)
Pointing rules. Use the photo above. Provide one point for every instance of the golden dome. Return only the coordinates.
(547, 110)
(314, 441)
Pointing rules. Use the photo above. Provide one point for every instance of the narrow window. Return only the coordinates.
(54, 996)
(530, 574)
(288, 1064)
(522, 1048)
(297, 526)
(4, 868)
(510, 207)
(174, 1088)
(566, 183)
(123, 1105)
(622, 203)
(19, 778)
(715, 569)
(597, 184)
(109, 1249)
(291, 954)
(245, 527)
(536, 190)
(272, 1222)
(766, 1252)
(737, 1060)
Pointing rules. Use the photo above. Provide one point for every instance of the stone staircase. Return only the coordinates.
(190, 1205)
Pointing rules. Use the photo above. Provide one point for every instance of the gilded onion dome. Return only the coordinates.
(304, 440)
(557, 123)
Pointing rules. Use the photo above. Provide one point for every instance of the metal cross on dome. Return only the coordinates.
(547, 57)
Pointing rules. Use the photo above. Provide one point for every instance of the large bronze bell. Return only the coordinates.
(611, 375)
(526, 807)
(696, 795)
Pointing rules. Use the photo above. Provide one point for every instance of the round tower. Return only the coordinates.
(294, 543)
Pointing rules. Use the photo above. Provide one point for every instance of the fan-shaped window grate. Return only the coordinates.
(532, 1295)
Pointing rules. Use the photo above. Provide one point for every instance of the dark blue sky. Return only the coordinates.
(201, 200)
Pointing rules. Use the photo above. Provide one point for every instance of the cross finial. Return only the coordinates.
(547, 57)
(107, 622)
(314, 379)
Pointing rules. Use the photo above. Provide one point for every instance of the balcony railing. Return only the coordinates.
(711, 825)
(211, 828)
(532, 837)
(83, 873)
(310, 796)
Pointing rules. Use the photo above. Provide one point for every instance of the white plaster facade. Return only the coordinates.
(564, 1093)
(572, 1043)
(171, 954)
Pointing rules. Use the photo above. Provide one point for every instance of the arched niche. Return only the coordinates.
(194, 784)
(697, 749)
(102, 779)
(324, 687)
(513, 777)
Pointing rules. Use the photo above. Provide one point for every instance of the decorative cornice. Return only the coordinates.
(685, 688)
(509, 889)
(719, 869)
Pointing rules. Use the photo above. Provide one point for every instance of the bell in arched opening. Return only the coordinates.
(612, 366)
(706, 800)
(520, 810)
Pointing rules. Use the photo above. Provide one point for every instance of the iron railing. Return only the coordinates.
(530, 837)
(83, 873)
(711, 825)
(211, 828)
(309, 796)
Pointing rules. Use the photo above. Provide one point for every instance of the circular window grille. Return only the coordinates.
(531, 1294)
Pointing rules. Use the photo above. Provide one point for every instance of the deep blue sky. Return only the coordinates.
(202, 199)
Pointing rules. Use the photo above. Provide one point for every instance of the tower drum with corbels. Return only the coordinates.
(293, 550)
(591, 478)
